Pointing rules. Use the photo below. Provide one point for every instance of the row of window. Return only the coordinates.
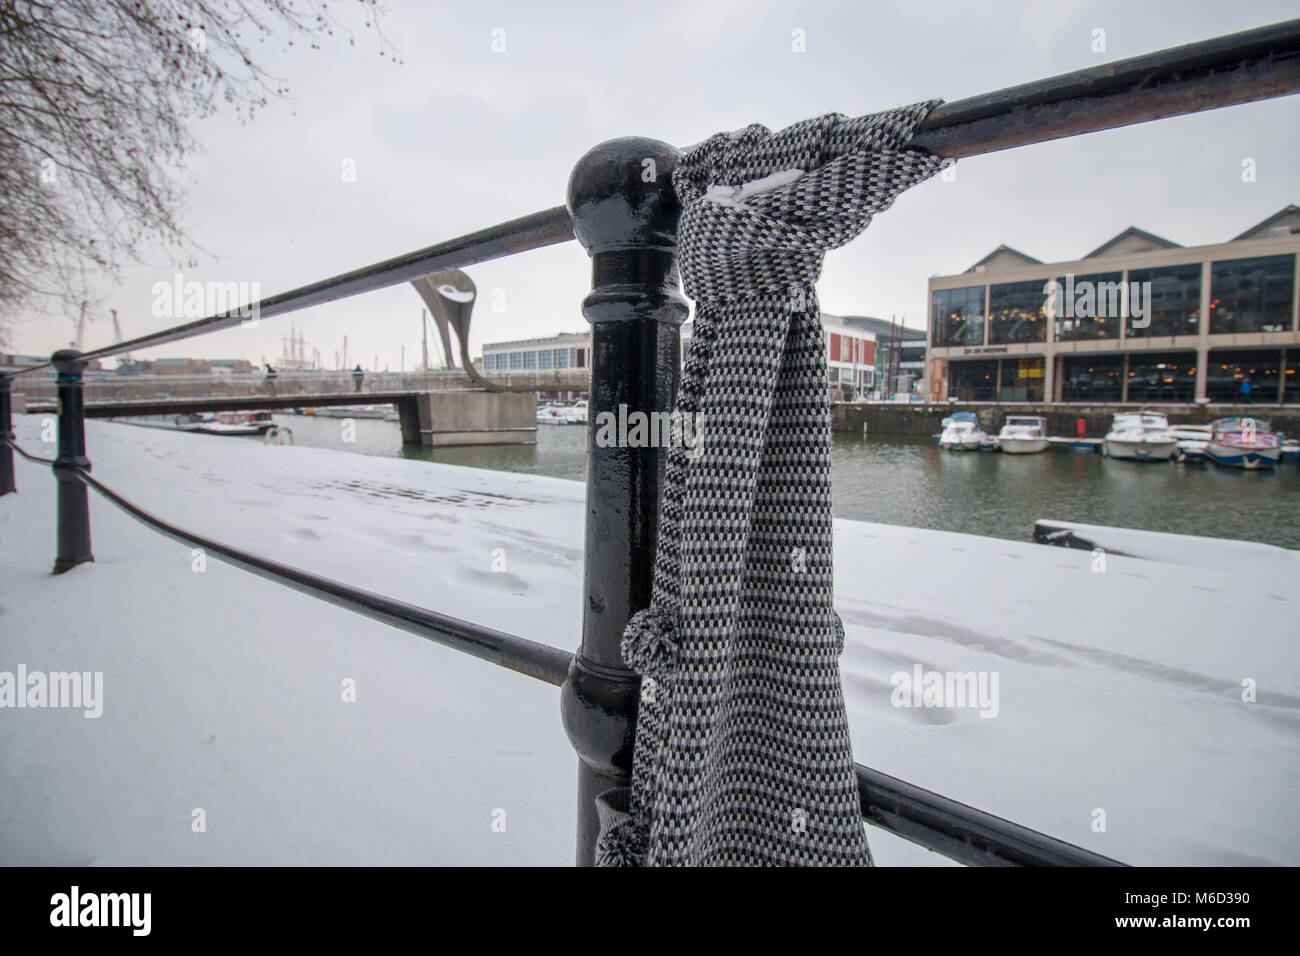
(1171, 377)
(1008, 380)
(1152, 377)
(533, 359)
(1246, 295)
(862, 377)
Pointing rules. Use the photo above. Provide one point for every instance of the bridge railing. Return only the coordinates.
(113, 388)
(628, 228)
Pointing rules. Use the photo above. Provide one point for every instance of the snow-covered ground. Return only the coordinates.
(1118, 690)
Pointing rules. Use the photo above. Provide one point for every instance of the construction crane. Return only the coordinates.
(81, 328)
(125, 363)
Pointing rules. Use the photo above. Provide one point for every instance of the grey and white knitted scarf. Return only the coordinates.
(742, 750)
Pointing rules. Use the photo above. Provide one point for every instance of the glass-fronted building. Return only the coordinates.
(894, 374)
(1139, 319)
(567, 350)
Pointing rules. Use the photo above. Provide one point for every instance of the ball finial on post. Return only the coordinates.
(624, 212)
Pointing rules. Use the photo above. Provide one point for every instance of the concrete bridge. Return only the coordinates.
(111, 387)
(464, 417)
(435, 408)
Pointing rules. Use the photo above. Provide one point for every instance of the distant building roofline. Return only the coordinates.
(1134, 231)
(1285, 210)
(1005, 248)
(1161, 241)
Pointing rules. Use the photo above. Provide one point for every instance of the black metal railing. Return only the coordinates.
(628, 228)
(928, 819)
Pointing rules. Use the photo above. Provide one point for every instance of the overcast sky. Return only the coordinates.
(459, 137)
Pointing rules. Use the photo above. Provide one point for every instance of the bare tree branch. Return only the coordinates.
(97, 103)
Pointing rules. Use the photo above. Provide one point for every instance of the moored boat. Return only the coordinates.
(208, 423)
(962, 432)
(552, 415)
(1023, 435)
(1243, 443)
(237, 423)
(1140, 436)
(1193, 440)
(557, 414)
(1191, 450)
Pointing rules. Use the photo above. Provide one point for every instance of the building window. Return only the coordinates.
(1168, 298)
(1086, 378)
(912, 360)
(1227, 369)
(973, 381)
(1252, 295)
(1089, 307)
(582, 359)
(957, 317)
(561, 358)
(1017, 312)
(516, 360)
(489, 362)
(544, 358)
(1021, 380)
(530, 360)
(1161, 376)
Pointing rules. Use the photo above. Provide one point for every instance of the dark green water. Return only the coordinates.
(907, 480)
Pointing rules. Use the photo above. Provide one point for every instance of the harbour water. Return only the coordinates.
(907, 480)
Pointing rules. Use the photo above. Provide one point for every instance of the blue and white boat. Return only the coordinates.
(962, 432)
(1240, 442)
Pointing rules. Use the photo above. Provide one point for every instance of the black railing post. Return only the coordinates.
(74, 508)
(624, 212)
(6, 430)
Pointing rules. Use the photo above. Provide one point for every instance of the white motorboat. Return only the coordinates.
(1190, 432)
(208, 423)
(1023, 435)
(1193, 442)
(1140, 436)
(551, 415)
(238, 423)
(1244, 443)
(962, 432)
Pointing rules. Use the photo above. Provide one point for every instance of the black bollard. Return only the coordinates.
(74, 507)
(624, 211)
(7, 431)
